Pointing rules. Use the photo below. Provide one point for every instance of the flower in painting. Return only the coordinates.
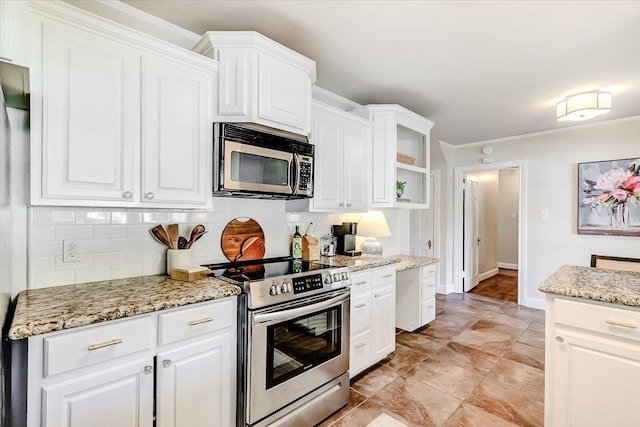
(613, 188)
(619, 194)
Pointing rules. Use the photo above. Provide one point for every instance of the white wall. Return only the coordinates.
(488, 220)
(551, 181)
(508, 219)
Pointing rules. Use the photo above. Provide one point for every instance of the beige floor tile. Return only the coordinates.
(524, 353)
(373, 380)
(529, 379)
(404, 358)
(468, 415)
(452, 379)
(465, 357)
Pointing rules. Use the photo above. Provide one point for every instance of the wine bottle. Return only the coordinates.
(296, 244)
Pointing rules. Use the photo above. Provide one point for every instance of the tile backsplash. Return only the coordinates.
(115, 243)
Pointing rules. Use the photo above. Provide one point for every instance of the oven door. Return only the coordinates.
(251, 168)
(295, 348)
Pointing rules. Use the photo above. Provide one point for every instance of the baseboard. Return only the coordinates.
(508, 265)
(445, 289)
(534, 303)
(487, 274)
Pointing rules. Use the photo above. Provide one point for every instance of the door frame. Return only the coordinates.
(459, 174)
(468, 218)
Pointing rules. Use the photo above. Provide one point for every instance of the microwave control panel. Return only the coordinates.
(306, 175)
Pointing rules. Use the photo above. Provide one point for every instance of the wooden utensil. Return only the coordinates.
(160, 235)
(197, 230)
(236, 233)
(195, 239)
(174, 233)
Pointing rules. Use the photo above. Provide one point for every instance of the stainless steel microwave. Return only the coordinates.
(256, 161)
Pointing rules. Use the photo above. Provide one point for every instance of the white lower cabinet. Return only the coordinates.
(372, 317)
(592, 363)
(109, 371)
(416, 297)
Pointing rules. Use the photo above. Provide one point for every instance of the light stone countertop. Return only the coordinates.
(599, 284)
(39, 311)
(366, 262)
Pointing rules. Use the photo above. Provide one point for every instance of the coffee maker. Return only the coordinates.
(346, 234)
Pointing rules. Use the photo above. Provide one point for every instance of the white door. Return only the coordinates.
(176, 132)
(328, 192)
(120, 396)
(90, 115)
(195, 384)
(422, 237)
(471, 235)
(384, 321)
(356, 159)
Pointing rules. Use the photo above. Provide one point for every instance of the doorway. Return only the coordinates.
(488, 230)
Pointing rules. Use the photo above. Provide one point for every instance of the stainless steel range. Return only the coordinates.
(295, 332)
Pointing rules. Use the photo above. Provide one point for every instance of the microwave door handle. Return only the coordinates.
(294, 167)
(295, 312)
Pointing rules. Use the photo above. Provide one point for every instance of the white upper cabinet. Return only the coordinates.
(14, 32)
(400, 153)
(118, 118)
(260, 80)
(342, 145)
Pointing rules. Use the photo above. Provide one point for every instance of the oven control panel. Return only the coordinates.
(307, 283)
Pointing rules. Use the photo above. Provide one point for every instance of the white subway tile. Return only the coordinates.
(134, 217)
(156, 217)
(139, 231)
(52, 278)
(109, 231)
(124, 271)
(52, 216)
(182, 217)
(119, 217)
(95, 246)
(84, 261)
(42, 264)
(203, 217)
(93, 217)
(154, 255)
(46, 248)
(41, 233)
(125, 245)
(75, 232)
(88, 275)
(221, 204)
(136, 257)
(110, 258)
(157, 267)
(152, 244)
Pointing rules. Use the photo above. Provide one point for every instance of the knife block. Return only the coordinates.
(310, 248)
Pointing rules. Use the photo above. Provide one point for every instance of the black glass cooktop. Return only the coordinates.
(245, 271)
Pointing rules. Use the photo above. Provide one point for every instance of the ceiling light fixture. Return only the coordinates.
(583, 106)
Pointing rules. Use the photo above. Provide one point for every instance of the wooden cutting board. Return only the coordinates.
(243, 240)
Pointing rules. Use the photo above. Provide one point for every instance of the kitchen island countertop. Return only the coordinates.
(39, 311)
(366, 262)
(599, 284)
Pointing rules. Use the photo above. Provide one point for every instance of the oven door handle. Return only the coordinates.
(294, 312)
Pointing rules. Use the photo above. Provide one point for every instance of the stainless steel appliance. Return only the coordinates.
(295, 334)
(346, 234)
(260, 162)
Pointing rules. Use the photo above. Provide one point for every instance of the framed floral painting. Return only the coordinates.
(609, 197)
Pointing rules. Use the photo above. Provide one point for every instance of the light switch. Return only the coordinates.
(544, 214)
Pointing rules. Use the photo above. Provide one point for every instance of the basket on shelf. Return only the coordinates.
(405, 158)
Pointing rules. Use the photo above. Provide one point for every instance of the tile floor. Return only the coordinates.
(479, 363)
(502, 286)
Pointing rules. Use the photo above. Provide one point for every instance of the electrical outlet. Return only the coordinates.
(70, 252)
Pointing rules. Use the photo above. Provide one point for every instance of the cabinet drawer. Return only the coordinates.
(428, 271)
(384, 275)
(360, 312)
(360, 282)
(359, 352)
(604, 319)
(427, 311)
(95, 344)
(191, 322)
(427, 288)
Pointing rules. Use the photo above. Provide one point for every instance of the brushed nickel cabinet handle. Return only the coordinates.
(197, 322)
(361, 283)
(386, 276)
(623, 324)
(360, 305)
(357, 346)
(559, 339)
(104, 344)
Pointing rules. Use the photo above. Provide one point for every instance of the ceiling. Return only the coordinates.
(480, 69)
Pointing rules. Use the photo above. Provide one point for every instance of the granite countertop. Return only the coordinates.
(599, 284)
(39, 311)
(366, 262)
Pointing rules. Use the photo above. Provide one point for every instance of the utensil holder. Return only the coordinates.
(178, 258)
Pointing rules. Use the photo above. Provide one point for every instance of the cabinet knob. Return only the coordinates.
(559, 339)
(148, 370)
(127, 194)
(341, 205)
(348, 205)
(149, 196)
(166, 363)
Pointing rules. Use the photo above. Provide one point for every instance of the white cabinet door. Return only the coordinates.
(176, 132)
(359, 352)
(119, 396)
(383, 321)
(284, 93)
(595, 381)
(14, 32)
(90, 115)
(329, 166)
(196, 384)
(356, 166)
(235, 85)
